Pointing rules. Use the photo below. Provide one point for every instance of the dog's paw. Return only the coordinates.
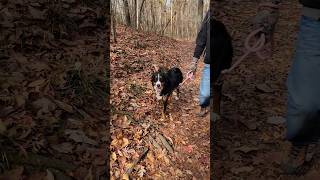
(163, 116)
(159, 97)
(176, 96)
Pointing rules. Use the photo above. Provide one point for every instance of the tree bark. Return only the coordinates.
(153, 16)
(164, 29)
(200, 11)
(113, 22)
(161, 18)
(171, 14)
(137, 14)
(127, 12)
(140, 13)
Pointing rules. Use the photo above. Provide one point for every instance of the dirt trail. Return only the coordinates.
(131, 66)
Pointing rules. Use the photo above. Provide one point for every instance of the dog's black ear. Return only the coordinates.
(152, 78)
(155, 68)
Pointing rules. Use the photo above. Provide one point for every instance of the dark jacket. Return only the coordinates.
(222, 52)
(307, 3)
(311, 3)
(202, 40)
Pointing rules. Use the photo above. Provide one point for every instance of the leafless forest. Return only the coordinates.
(173, 18)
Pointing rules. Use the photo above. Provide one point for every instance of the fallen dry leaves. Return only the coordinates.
(52, 90)
(251, 133)
(145, 146)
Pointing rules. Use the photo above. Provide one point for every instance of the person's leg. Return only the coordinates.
(303, 91)
(204, 94)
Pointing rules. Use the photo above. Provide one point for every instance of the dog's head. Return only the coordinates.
(158, 80)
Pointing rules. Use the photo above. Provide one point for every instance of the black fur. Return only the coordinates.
(170, 80)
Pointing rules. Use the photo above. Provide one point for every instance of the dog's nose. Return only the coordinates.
(158, 85)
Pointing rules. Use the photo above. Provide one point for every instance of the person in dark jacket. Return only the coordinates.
(303, 103)
(201, 41)
(220, 55)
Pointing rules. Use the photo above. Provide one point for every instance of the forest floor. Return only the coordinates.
(251, 141)
(53, 110)
(251, 133)
(136, 122)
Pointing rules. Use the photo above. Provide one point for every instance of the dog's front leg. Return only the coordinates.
(165, 104)
(178, 94)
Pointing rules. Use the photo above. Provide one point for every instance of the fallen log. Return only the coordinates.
(142, 156)
(165, 143)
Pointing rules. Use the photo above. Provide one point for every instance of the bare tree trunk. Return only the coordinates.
(180, 24)
(140, 13)
(164, 29)
(160, 21)
(113, 21)
(176, 17)
(134, 12)
(171, 14)
(153, 16)
(200, 11)
(127, 12)
(137, 14)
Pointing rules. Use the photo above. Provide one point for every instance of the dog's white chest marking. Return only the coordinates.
(157, 88)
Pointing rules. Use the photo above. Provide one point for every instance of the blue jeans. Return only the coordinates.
(204, 95)
(303, 83)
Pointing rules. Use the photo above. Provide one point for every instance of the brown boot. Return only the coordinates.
(203, 112)
(295, 159)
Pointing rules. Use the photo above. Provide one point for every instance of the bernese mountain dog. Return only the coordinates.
(164, 82)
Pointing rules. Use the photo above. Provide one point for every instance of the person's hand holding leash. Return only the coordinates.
(193, 67)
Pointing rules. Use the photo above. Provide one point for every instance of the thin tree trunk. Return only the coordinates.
(160, 21)
(140, 13)
(113, 21)
(137, 14)
(164, 29)
(200, 11)
(153, 16)
(127, 12)
(176, 26)
(134, 13)
(171, 14)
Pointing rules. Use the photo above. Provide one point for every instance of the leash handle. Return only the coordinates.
(189, 76)
(249, 49)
